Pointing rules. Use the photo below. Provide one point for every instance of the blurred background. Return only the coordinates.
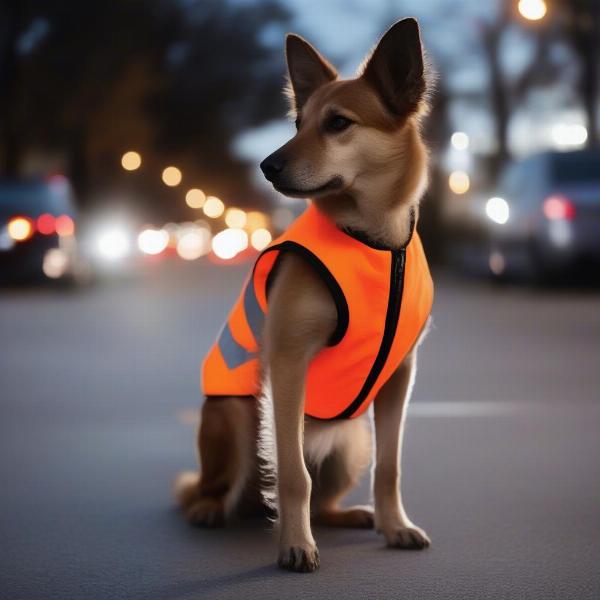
(131, 209)
(134, 129)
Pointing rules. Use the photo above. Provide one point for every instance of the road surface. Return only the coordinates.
(99, 389)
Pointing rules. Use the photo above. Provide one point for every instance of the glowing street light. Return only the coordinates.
(153, 241)
(195, 198)
(532, 10)
(213, 207)
(235, 217)
(260, 239)
(229, 242)
(193, 243)
(256, 220)
(172, 176)
(459, 182)
(131, 160)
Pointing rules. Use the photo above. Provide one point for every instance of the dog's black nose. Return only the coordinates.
(273, 165)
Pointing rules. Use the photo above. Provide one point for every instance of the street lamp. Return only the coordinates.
(532, 10)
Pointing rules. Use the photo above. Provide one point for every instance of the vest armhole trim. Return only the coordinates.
(341, 304)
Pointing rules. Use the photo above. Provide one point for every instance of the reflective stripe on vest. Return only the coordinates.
(234, 353)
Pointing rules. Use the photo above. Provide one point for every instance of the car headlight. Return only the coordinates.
(497, 210)
(113, 243)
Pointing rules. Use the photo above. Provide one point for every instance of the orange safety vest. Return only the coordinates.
(383, 299)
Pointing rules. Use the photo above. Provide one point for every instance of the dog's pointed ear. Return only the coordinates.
(307, 69)
(395, 68)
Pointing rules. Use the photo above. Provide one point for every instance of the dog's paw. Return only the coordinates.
(299, 559)
(206, 512)
(409, 538)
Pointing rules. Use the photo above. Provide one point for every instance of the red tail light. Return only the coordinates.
(46, 224)
(558, 208)
(65, 225)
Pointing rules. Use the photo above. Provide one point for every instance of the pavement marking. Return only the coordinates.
(428, 409)
(466, 409)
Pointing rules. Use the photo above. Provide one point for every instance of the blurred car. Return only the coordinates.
(37, 229)
(545, 216)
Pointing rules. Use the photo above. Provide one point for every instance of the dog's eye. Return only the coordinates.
(337, 123)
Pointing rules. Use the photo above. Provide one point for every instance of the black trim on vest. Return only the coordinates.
(389, 332)
(332, 285)
(362, 237)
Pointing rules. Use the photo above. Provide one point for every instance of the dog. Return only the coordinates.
(332, 315)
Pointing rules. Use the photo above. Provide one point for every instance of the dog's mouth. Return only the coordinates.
(335, 183)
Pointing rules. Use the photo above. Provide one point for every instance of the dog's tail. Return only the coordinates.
(185, 488)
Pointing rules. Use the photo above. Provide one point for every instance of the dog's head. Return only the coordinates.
(349, 130)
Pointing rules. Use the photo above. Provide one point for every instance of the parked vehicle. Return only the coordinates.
(37, 229)
(545, 216)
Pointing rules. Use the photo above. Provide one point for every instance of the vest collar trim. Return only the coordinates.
(362, 237)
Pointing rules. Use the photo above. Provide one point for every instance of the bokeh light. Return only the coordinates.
(497, 210)
(256, 220)
(45, 224)
(497, 263)
(193, 243)
(195, 198)
(557, 208)
(460, 140)
(131, 161)
(229, 242)
(153, 241)
(20, 229)
(569, 136)
(113, 243)
(235, 217)
(172, 176)
(213, 207)
(65, 226)
(55, 263)
(459, 182)
(533, 10)
(260, 238)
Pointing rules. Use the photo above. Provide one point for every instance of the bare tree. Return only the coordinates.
(507, 93)
(581, 24)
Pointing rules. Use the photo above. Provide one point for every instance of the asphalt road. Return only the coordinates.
(98, 389)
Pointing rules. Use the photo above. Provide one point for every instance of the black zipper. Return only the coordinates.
(389, 332)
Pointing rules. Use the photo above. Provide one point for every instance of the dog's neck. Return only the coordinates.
(383, 215)
(382, 206)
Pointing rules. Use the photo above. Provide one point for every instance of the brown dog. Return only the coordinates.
(358, 154)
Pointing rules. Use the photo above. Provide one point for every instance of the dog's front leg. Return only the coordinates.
(301, 318)
(390, 409)
(297, 548)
